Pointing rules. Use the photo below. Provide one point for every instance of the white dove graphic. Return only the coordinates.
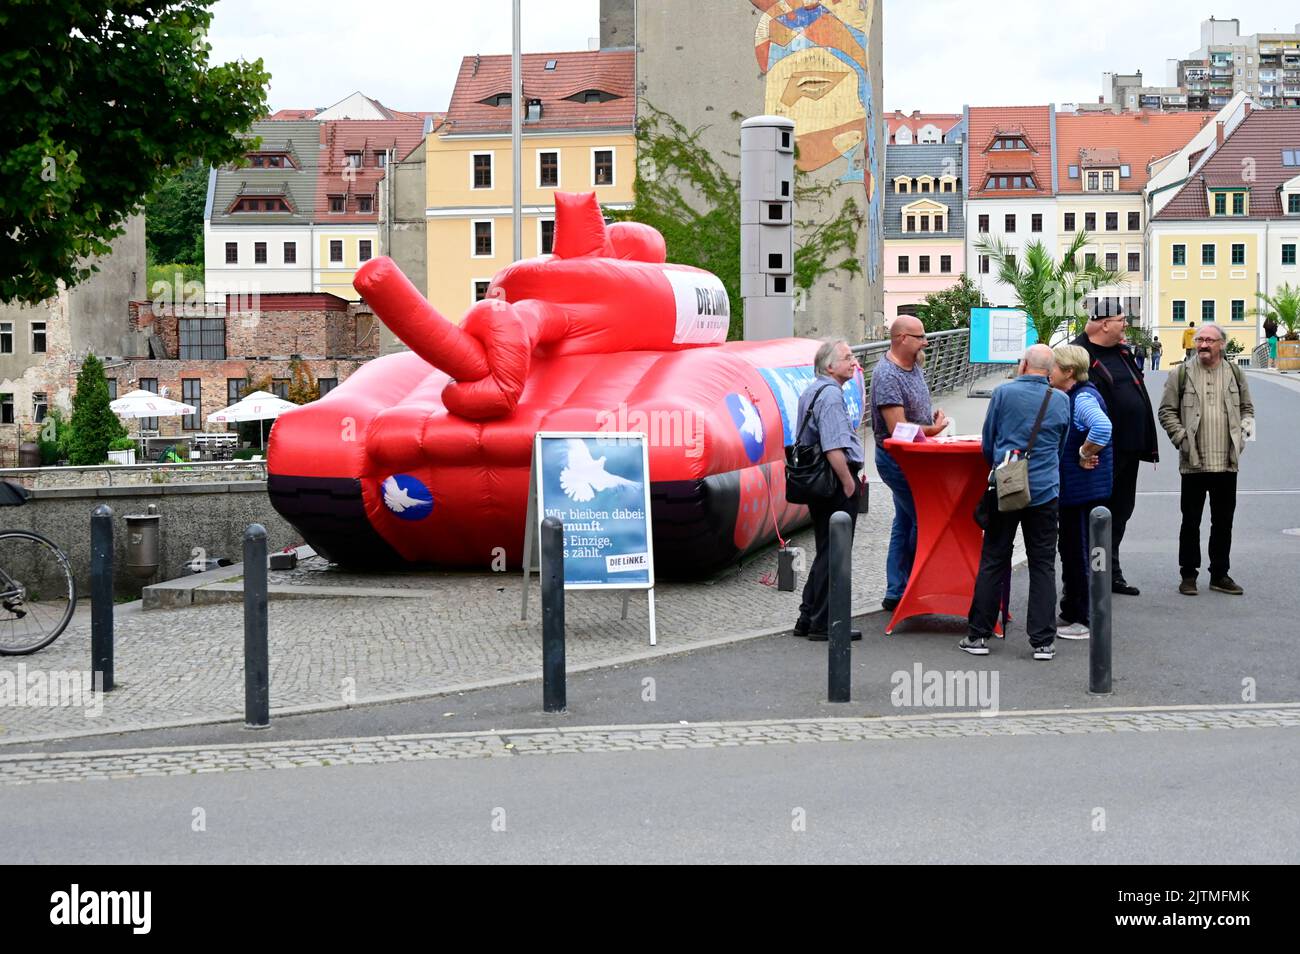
(397, 499)
(752, 424)
(583, 477)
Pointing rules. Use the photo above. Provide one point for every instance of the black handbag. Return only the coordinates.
(808, 474)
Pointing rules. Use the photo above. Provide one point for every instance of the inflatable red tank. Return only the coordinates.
(423, 457)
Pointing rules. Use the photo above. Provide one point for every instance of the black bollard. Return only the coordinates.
(553, 693)
(1099, 600)
(839, 565)
(257, 657)
(101, 594)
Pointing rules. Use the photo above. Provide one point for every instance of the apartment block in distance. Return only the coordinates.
(925, 228)
(578, 111)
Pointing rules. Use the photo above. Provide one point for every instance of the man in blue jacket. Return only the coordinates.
(1007, 427)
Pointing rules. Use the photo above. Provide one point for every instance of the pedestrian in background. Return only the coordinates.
(1140, 356)
(1270, 335)
(822, 406)
(1189, 337)
(1008, 426)
(899, 393)
(1207, 412)
(1114, 373)
(1156, 349)
(1086, 476)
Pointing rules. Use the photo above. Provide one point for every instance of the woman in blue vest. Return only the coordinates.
(1086, 476)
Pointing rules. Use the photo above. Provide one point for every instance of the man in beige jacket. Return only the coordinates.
(1207, 412)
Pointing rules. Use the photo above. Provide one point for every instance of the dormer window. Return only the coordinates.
(1293, 204)
(1009, 142)
(592, 96)
(269, 160)
(352, 160)
(902, 184)
(1228, 202)
(1101, 180)
(497, 99)
(273, 204)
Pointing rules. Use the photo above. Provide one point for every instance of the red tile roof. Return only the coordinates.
(339, 137)
(1131, 139)
(1256, 146)
(914, 122)
(986, 124)
(482, 77)
(292, 114)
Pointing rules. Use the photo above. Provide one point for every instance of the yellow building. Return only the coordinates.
(578, 136)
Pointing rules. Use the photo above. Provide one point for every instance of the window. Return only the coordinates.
(911, 224)
(1112, 261)
(381, 159)
(483, 239)
(1238, 253)
(38, 337)
(365, 203)
(1093, 181)
(338, 203)
(202, 339)
(280, 388)
(352, 160)
(232, 253)
(482, 170)
(1135, 261)
(925, 223)
(1011, 262)
(984, 223)
(1069, 221)
(547, 236)
(150, 385)
(901, 185)
(903, 265)
(1112, 221)
(259, 253)
(6, 337)
(1090, 221)
(945, 264)
(984, 264)
(938, 223)
(1207, 254)
(1220, 203)
(1180, 311)
(1108, 182)
(1036, 223)
(602, 167)
(1010, 222)
(481, 288)
(1207, 310)
(112, 388)
(40, 405)
(6, 408)
(1072, 172)
(1288, 253)
(924, 264)
(364, 250)
(191, 393)
(1293, 204)
(1238, 309)
(336, 251)
(290, 253)
(1135, 221)
(1180, 254)
(1239, 203)
(233, 387)
(1089, 259)
(327, 385)
(925, 185)
(548, 170)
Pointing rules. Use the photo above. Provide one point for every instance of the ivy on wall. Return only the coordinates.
(686, 193)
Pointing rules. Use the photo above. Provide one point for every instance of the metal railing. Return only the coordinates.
(134, 475)
(947, 360)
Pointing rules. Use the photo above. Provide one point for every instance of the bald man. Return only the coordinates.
(1008, 429)
(899, 393)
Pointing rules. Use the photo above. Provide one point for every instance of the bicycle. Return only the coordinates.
(37, 592)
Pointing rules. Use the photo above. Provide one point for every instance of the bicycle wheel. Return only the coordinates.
(37, 592)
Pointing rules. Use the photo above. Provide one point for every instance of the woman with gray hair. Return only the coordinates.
(1086, 480)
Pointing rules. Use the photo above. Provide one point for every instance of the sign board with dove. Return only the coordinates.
(597, 484)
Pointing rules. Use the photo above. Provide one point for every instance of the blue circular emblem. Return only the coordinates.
(407, 498)
(745, 416)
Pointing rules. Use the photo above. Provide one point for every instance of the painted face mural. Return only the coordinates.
(814, 56)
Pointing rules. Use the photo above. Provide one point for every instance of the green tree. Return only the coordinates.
(1051, 293)
(94, 425)
(175, 215)
(1283, 306)
(950, 308)
(102, 100)
(685, 192)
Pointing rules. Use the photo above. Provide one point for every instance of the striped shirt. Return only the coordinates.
(1088, 416)
(1213, 435)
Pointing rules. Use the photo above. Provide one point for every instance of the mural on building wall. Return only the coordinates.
(814, 57)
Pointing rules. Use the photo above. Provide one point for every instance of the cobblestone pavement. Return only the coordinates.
(192, 760)
(186, 665)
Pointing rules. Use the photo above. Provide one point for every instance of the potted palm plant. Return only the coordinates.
(1283, 306)
(1051, 293)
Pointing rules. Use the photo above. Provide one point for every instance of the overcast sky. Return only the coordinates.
(939, 54)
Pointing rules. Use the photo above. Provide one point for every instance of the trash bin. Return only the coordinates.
(142, 544)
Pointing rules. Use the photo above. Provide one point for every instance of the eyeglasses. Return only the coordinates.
(1210, 340)
(906, 335)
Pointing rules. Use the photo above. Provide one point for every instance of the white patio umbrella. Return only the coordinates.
(140, 403)
(258, 406)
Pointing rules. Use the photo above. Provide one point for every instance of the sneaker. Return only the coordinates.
(1072, 631)
(889, 604)
(1224, 584)
(1188, 586)
(975, 645)
(1121, 585)
(1046, 651)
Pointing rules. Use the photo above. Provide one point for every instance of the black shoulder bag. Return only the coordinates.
(808, 474)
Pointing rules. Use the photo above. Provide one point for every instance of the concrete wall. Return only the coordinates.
(617, 24)
(402, 229)
(208, 516)
(711, 65)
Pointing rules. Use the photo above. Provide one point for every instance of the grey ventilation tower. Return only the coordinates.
(767, 226)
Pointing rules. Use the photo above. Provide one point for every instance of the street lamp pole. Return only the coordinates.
(516, 136)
